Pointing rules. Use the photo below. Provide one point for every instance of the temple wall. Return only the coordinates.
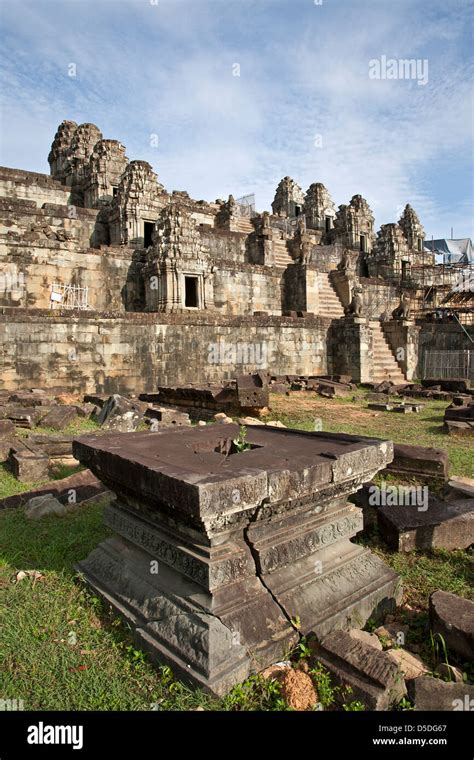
(136, 352)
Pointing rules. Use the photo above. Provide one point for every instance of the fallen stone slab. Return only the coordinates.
(368, 638)
(85, 410)
(379, 407)
(443, 525)
(31, 398)
(333, 390)
(450, 673)
(249, 421)
(165, 416)
(52, 446)
(459, 427)
(419, 461)
(26, 417)
(374, 677)
(81, 486)
(121, 414)
(392, 634)
(453, 618)
(7, 429)
(461, 485)
(434, 695)
(97, 399)
(59, 417)
(460, 385)
(41, 506)
(28, 466)
(402, 409)
(410, 665)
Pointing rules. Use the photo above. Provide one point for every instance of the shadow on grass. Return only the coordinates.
(52, 543)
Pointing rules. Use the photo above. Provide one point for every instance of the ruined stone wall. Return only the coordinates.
(136, 352)
(247, 288)
(41, 188)
(28, 272)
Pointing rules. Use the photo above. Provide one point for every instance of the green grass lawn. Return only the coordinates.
(62, 649)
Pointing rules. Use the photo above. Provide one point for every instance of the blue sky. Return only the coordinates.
(166, 67)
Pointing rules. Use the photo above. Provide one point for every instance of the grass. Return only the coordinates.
(62, 649)
(307, 411)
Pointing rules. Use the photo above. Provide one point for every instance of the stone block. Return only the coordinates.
(165, 416)
(409, 664)
(419, 461)
(453, 617)
(380, 407)
(443, 525)
(434, 695)
(7, 429)
(119, 413)
(41, 506)
(28, 466)
(374, 677)
(59, 417)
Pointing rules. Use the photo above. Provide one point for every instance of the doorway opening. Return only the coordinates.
(191, 292)
(148, 228)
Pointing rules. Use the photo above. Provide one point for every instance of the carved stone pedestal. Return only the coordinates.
(216, 552)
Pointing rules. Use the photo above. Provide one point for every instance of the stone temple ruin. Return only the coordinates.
(110, 283)
(111, 286)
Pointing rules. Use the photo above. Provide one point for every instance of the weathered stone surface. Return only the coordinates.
(463, 486)
(164, 416)
(251, 391)
(443, 524)
(28, 466)
(76, 488)
(85, 410)
(366, 637)
(374, 677)
(453, 617)
(392, 634)
(7, 429)
(410, 664)
(51, 445)
(419, 461)
(59, 417)
(121, 414)
(380, 407)
(25, 417)
(41, 506)
(435, 695)
(245, 542)
(450, 673)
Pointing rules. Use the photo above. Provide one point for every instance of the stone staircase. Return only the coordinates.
(385, 366)
(280, 253)
(329, 304)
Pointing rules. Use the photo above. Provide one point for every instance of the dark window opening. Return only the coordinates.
(191, 292)
(147, 233)
(420, 244)
(328, 223)
(114, 191)
(297, 210)
(363, 243)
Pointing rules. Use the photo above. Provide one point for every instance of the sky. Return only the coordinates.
(229, 96)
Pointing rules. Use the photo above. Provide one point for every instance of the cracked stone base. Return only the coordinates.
(214, 555)
(216, 638)
(175, 620)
